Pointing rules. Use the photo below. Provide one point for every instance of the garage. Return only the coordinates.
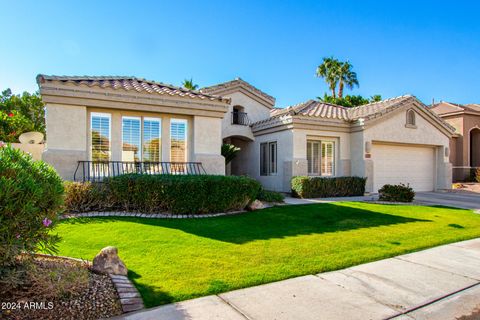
(408, 164)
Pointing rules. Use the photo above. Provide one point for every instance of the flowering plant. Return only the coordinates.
(13, 124)
(31, 196)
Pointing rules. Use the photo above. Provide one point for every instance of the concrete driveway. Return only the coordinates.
(451, 199)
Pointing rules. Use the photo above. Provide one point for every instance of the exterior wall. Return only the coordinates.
(393, 130)
(255, 111)
(35, 150)
(66, 137)
(281, 180)
(207, 139)
(469, 122)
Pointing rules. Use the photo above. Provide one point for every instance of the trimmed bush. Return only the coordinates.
(270, 196)
(31, 196)
(85, 196)
(322, 187)
(396, 193)
(165, 193)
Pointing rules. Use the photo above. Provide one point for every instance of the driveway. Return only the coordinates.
(451, 199)
(438, 283)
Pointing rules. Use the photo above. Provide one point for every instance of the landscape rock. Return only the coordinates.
(256, 205)
(108, 262)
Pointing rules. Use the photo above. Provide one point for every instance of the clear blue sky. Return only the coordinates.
(427, 48)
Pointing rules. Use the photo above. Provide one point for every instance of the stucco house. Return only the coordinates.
(465, 144)
(126, 119)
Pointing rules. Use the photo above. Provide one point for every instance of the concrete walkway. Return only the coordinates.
(452, 199)
(291, 200)
(438, 283)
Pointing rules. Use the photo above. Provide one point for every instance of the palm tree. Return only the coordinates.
(329, 70)
(346, 77)
(188, 84)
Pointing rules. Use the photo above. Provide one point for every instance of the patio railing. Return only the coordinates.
(96, 171)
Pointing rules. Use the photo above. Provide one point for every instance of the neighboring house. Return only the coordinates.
(392, 141)
(465, 144)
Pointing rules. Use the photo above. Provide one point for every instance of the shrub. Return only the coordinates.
(84, 197)
(168, 193)
(321, 187)
(30, 198)
(396, 193)
(12, 125)
(477, 175)
(270, 196)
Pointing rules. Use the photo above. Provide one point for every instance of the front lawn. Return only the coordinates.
(172, 260)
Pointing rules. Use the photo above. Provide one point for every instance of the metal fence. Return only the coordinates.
(240, 118)
(96, 171)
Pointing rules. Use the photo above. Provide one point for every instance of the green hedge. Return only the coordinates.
(270, 196)
(321, 187)
(164, 193)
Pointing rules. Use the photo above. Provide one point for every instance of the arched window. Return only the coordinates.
(411, 118)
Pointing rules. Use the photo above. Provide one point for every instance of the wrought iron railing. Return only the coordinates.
(240, 118)
(96, 171)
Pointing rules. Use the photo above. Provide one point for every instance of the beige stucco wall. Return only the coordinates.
(255, 111)
(68, 134)
(392, 129)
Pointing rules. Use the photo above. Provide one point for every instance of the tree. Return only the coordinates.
(329, 70)
(229, 151)
(350, 101)
(188, 84)
(346, 77)
(28, 106)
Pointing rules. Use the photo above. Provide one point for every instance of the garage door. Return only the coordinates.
(394, 164)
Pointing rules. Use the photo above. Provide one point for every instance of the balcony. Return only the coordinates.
(240, 118)
(96, 171)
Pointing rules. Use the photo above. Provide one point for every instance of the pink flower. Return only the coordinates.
(18, 236)
(10, 114)
(47, 222)
(2, 144)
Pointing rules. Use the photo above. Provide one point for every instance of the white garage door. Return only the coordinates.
(403, 164)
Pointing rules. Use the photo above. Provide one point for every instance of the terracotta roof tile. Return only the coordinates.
(238, 82)
(131, 84)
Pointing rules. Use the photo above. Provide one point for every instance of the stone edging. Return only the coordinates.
(147, 215)
(130, 298)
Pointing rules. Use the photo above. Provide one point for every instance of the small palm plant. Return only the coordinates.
(229, 152)
(188, 84)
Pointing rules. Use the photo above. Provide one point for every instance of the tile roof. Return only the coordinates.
(328, 111)
(131, 84)
(444, 108)
(238, 82)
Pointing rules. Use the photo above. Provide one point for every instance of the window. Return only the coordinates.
(321, 158)
(152, 142)
(131, 139)
(100, 136)
(178, 140)
(411, 118)
(268, 158)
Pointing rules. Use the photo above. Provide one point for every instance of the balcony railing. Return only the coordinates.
(96, 171)
(240, 118)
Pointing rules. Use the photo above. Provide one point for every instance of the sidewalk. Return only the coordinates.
(438, 283)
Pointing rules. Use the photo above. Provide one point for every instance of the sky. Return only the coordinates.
(430, 49)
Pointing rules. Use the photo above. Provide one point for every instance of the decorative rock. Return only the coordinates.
(256, 205)
(108, 262)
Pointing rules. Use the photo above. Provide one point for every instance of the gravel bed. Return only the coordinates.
(98, 299)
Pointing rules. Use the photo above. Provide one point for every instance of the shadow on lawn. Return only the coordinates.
(276, 222)
(151, 295)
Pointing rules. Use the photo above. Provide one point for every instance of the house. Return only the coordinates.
(129, 120)
(465, 144)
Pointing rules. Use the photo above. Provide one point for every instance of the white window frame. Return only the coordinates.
(153, 119)
(185, 121)
(321, 164)
(140, 152)
(106, 115)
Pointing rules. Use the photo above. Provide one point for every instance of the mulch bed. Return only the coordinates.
(74, 293)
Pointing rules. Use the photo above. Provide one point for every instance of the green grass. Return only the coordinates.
(173, 260)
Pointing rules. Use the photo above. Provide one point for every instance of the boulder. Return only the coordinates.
(107, 261)
(256, 205)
